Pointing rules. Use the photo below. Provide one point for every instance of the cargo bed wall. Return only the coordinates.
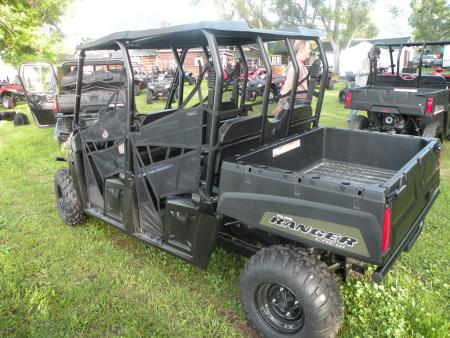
(308, 179)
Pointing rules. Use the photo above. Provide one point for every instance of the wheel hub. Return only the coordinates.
(279, 307)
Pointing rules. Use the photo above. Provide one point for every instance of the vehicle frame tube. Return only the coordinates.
(211, 39)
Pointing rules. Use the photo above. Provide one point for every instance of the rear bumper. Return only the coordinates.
(407, 242)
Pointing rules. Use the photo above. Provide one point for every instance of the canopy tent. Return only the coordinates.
(353, 57)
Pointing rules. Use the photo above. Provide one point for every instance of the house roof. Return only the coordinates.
(191, 35)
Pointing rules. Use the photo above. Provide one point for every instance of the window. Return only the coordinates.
(275, 60)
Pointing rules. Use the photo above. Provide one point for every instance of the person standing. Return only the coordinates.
(364, 67)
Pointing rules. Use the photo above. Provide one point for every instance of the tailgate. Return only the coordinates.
(409, 101)
(410, 191)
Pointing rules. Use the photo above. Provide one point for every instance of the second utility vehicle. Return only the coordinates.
(403, 101)
(308, 203)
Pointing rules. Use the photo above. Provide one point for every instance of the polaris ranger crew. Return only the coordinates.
(307, 203)
(408, 100)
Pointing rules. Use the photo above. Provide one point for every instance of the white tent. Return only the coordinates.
(446, 57)
(353, 57)
(7, 72)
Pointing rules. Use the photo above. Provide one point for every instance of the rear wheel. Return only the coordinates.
(67, 199)
(7, 101)
(273, 95)
(20, 119)
(359, 122)
(252, 96)
(285, 292)
(433, 129)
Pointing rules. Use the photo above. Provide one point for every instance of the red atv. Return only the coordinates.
(10, 94)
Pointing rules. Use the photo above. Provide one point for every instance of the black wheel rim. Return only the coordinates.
(60, 200)
(279, 307)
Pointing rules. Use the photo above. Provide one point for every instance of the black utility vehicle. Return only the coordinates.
(406, 101)
(52, 101)
(308, 203)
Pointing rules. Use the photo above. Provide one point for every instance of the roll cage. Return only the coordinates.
(208, 36)
(395, 68)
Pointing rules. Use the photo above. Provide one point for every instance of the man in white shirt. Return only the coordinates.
(362, 71)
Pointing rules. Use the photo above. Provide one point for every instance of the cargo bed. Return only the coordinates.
(342, 171)
(340, 181)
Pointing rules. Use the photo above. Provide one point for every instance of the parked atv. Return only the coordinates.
(160, 89)
(309, 204)
(10, 94)
(189, 78)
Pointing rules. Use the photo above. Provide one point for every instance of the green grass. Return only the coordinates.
(94, 280)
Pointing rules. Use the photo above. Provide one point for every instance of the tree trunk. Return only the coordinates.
(337, 55)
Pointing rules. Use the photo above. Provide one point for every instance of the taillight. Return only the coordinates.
(429, 106)
(55, 104)
(348, 99)
(386, 230)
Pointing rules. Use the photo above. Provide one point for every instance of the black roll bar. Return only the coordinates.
(397, 78)
(391, 51)
(323, 80)
(79, 84)
(244, 81)
(215, 116)
(420, 65)
(130, 106)
(265, 104)
(175, 80)
(293, 92)
(176, 56)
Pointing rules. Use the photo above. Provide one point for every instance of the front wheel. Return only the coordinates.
(284, 292)
(20, 119)
(8, 101)
(67, 199)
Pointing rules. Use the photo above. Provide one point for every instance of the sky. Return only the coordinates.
(96, 18)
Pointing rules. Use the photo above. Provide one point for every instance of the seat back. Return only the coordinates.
(313, 78)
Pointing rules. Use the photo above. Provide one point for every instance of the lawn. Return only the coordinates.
(94, 280)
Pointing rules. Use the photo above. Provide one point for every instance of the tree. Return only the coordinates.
(251, 11)
(345, 20)
(296, 13)
(430, 19)
(342, 20)
(28, 29)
